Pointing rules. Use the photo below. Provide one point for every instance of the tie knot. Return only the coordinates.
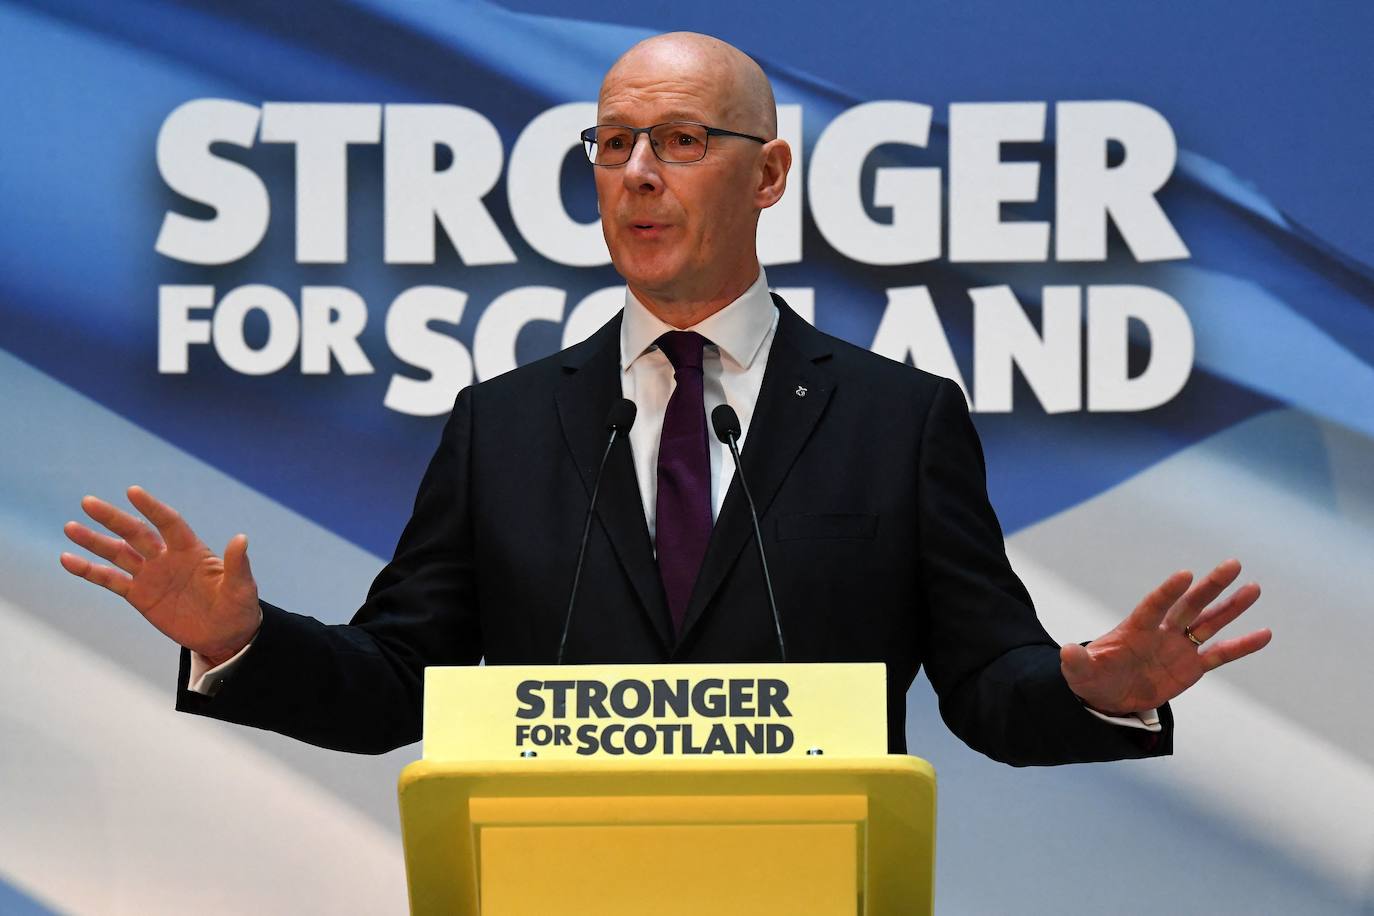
(683, 349)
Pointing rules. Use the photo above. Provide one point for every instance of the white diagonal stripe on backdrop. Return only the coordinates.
(114, 803)
(1277, 743)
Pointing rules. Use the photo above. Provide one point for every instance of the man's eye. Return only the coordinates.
(614, 142)
(684, 139)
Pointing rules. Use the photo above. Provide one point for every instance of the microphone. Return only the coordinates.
(725, 422)
(618, 422)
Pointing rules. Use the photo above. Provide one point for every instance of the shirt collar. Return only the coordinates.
(738, 329)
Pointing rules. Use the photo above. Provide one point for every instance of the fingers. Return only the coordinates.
(103, 576)
(1187, 608)
(1211, 621)
(115, 550)
(1075, 663)
(1151, 611)
(1229, 650)
(134, 531)
(236, 567)
(169, 522)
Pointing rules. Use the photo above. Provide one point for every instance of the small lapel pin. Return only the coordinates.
(801, 391)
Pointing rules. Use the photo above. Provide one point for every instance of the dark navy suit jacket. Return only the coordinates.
(870, 482)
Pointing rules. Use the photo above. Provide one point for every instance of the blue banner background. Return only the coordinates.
(1265, 453)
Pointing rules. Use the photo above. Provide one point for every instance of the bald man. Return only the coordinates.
(868, 478)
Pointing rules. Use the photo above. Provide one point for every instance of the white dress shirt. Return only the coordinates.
(739, 339)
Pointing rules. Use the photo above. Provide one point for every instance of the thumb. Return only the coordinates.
(1075, 663)
(236, 567)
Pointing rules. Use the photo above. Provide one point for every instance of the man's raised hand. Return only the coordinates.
(206, 604)
(1149, 659)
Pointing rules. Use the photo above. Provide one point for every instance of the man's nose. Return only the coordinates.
(642, 169)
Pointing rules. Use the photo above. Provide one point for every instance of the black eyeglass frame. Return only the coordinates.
(588, 137)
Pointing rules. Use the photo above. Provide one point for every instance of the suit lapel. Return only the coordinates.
(590, 386)
(782, 422)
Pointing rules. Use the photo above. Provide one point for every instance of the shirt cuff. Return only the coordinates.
(206, 680)
(1147, 720)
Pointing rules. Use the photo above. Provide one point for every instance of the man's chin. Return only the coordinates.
(659, 281)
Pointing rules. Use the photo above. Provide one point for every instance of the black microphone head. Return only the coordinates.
(725, 422)
(621, 417)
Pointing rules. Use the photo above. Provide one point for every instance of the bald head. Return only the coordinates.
(683, 231)
(736, 85)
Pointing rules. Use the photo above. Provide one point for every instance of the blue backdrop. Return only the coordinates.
(110, 803)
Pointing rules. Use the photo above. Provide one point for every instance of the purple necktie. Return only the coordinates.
(683, 513)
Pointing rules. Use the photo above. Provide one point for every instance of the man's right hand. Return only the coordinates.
(206, 604)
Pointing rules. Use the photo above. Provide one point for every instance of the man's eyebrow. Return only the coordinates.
(680, 114)
(676, 114)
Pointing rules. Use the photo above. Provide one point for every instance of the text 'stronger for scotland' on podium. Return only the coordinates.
(729, 789)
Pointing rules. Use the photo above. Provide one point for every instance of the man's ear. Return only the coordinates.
(775, 163)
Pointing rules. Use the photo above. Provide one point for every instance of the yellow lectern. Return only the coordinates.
(721, 789)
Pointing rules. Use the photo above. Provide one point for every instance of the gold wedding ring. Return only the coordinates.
(1188, 632)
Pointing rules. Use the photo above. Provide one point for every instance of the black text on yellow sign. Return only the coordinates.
(655, 716)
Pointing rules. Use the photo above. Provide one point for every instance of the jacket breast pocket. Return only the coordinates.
(827, 525)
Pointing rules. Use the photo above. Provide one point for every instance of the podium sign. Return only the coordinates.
(591, 712)
(735, 790)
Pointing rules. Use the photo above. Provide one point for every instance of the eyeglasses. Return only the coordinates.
(672, 141)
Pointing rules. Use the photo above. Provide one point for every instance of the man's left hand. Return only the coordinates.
(1148, 658)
